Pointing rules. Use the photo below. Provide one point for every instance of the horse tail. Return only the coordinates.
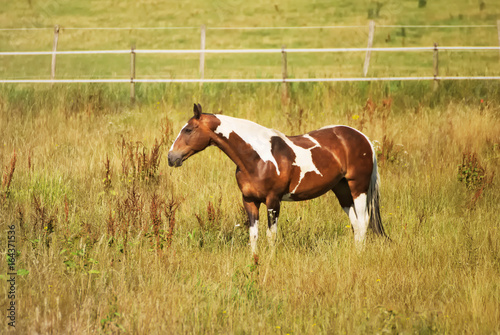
(373, 201)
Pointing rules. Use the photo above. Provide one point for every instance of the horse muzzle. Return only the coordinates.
(175, 159)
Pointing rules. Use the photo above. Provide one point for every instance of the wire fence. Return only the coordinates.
(427, 26)
(242, 51)
(284, 51)
(256, 80)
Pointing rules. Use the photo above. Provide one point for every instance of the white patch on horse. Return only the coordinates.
(257, 136)
(303, 158)
(358, 214)
(172, 147)
(254, 235)
(273, 229)
(312, 139)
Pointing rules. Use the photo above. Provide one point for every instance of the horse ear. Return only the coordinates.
(197, 111)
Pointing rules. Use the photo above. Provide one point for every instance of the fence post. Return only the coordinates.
(498, 28)
(132, 75)
(436, 66)
(54, 49)
(371, 32)
(284, 85)
(202, 54)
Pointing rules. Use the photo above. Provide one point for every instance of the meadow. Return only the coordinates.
(109, 239)
(43, 15)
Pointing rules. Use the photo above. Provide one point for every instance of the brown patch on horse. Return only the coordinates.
(256, 178)
(359, 159)
(302, 141)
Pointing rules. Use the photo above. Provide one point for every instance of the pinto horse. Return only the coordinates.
(272, 167)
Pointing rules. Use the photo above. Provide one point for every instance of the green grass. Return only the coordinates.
(100, 252)
(193, 13)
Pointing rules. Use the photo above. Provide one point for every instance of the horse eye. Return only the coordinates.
(188, 130)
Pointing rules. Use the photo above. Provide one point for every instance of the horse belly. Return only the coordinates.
(317, 165)
(313, 185)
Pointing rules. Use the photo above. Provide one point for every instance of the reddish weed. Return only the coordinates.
(475, 177)
(8, 175)
(169, 210)
(42, 219)
(107, 175)
(213, 216)
(139, 164)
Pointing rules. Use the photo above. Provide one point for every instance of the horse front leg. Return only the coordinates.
(252, 209)
(273, 213)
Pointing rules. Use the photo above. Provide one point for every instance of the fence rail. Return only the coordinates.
(283, 50)
(423, 26)
(132, 80)
(239, 51)
(229, 80)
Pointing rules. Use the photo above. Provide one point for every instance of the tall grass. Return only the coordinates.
(112, 240)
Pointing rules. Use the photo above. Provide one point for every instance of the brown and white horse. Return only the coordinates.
(272, 167)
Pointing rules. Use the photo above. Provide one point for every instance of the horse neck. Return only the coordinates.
(248, 133)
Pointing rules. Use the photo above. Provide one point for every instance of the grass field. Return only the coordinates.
(109, 239)
(237, 13)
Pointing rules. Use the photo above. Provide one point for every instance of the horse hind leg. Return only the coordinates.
(355, 208)
(362, 219)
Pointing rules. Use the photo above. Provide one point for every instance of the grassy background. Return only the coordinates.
(238, 13)
(90, 259)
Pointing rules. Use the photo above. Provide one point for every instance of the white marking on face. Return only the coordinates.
(303, 158)
(172, 147)
(257, 136)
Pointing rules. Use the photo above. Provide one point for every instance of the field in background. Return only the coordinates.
(193, 13)
(112, 240)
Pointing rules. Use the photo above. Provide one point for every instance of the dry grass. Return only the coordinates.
(150, 249)
(111, 240)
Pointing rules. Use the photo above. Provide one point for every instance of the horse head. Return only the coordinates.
(193, 137)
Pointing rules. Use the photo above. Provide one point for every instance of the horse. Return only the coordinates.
(272, 167)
